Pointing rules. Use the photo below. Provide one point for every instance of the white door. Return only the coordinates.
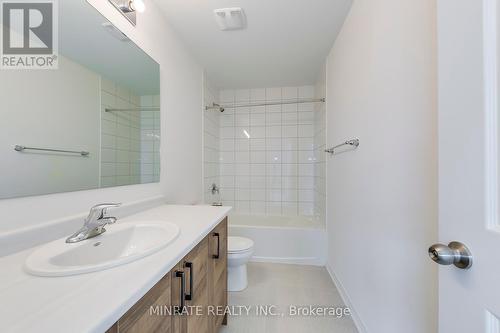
(468, 31)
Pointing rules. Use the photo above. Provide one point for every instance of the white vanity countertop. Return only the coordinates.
(93, 302)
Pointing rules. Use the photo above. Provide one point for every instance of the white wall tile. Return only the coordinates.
(306, 183)
(242, 207)
(273, 119)
(242, 132)
(227, 181)
(305, 118)
(227, 132)
(258, 157)
(227, 120)
(258, 169)
(290, 131)
(289, 182)
(290, 195)
(273, 157)
(242, 182)
(257, 132)
(274, 169)
(289, 157)
(306, 131)
(257, 95)
(306, 144)
(258, 207)
(227, 144)
(242, 157)
(273, 195)
(242, 95)
(268, 156)
(273, 144)
(241, 194)
(257, 144)
(242, 120)
(226, 157)
(257, 119)
(258, 182)
(273, 94)
(290, 144)
(257, 194)
(273, 108)
(273, 182)
(290, 93)
(289, 118)
(242, 144)
(226, 169)
(273, 132)
(289, 169)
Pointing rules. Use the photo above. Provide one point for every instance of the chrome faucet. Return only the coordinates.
(94, 223)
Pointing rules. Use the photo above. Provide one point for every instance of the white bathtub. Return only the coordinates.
(289, 240)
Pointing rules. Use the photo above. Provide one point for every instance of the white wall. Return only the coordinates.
(382, 214)
(181, 148)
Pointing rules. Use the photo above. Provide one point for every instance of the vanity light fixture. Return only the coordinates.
(129, 8)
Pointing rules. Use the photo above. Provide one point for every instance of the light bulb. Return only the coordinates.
(138, 5)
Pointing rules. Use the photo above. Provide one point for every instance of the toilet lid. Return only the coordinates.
(238, 244)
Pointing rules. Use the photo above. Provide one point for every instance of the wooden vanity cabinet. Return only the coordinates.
(199, 281)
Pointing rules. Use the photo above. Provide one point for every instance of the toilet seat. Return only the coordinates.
(238, 244)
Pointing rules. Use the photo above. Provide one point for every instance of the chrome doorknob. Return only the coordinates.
(454, 253)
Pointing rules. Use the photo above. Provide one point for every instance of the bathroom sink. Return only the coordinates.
(120, 244)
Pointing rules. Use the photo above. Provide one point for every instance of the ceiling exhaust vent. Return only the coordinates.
(230, 18)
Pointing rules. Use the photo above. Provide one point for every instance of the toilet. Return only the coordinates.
(239, 252)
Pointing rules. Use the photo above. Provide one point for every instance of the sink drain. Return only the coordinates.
(97, 244)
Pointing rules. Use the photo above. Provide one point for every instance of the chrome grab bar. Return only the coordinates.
(353, 143)
(22, 148)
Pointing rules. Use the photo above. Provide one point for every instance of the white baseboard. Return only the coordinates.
(310, 261)
(343, 293)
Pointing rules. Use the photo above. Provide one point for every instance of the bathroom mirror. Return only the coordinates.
(93, 122)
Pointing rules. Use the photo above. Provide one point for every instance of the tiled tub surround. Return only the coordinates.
(319, 144)
(211, 142)
(267, 156)
(129, 139)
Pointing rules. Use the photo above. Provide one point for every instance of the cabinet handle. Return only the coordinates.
(180, 274)
(216, 256)
(189, 296)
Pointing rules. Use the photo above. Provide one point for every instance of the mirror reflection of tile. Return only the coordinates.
(130, 140)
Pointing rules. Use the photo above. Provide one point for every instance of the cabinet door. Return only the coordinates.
(149, 314)
(217, 241)
(196, 270)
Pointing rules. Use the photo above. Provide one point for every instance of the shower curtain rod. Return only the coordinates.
(221, 108)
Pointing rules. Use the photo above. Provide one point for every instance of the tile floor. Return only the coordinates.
(285, 285)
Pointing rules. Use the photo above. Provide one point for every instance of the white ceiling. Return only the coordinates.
(286, 41)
